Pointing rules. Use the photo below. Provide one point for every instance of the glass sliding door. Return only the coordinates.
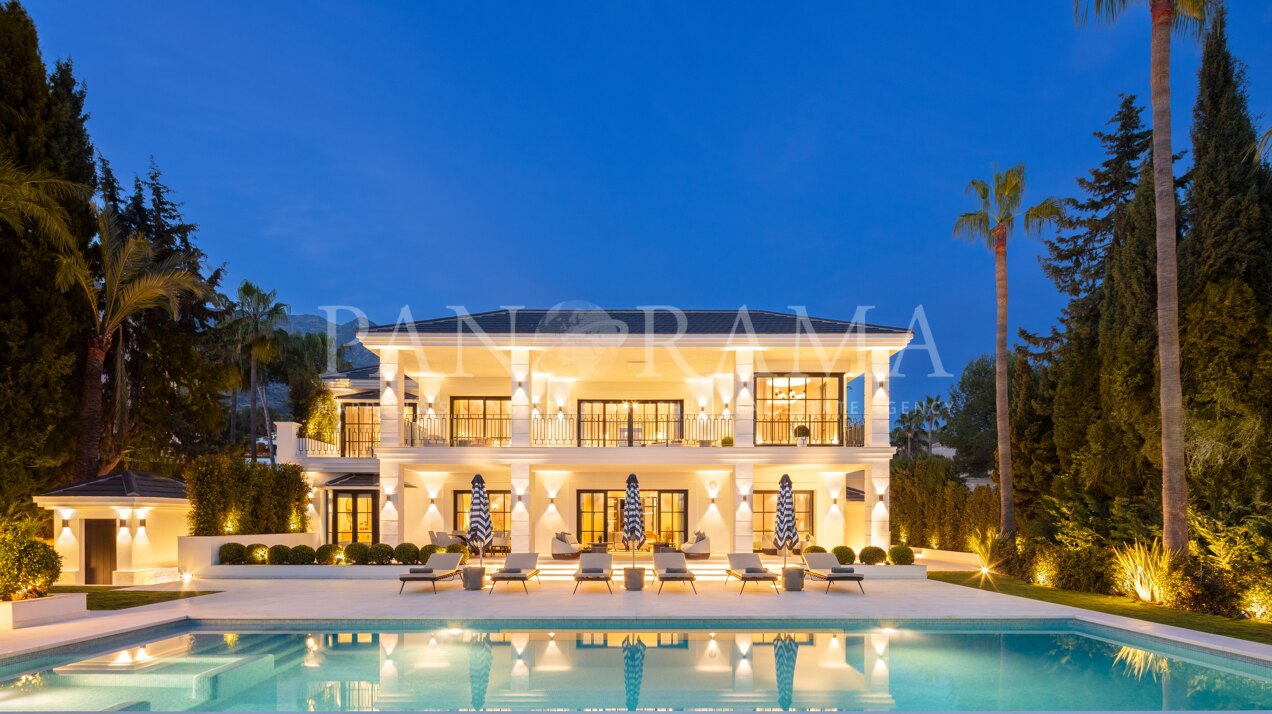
(481, 421)
(600, 516)
(352, 517)
(630, 422)
(764, 515)
(786, 402)
(500, 510)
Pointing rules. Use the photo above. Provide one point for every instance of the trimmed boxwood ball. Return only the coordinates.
(257, 554)
(844, 554)
(901, 555)
(461, 549)
(406, 554)
(357, 553)
(279, 555)
(303, 555)
(380, 554)
(329, 554)
(814, 549)
(873, 555)
(428, 550)
(231, 553)
(28, 567)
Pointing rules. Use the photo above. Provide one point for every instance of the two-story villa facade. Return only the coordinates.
(709, 408)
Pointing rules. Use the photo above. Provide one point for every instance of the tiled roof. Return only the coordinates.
(615, 322)
(126, 484)
(372, 395)
(354, 481)
(370, 371)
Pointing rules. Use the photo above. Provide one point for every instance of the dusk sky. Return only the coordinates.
(688, 154)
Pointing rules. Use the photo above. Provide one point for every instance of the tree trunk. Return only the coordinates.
(234, 414)
(252, 417)
(1174, 483)
(1007, 507)
(89, 449)
(269, 431)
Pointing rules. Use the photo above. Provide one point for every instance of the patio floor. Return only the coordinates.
(371, 600)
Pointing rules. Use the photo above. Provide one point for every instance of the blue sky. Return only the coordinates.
(689, 154)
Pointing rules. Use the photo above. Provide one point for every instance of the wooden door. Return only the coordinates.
(99, 550)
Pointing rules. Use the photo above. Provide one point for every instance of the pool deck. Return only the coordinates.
(371, 600)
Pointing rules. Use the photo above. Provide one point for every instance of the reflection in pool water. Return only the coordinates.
(624, 670)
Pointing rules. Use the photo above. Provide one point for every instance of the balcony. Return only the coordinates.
(821, 431)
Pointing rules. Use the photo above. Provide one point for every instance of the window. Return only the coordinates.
(764, 515)
(360, 427)
(600, 516)
(786, 402)
(630, 423)
(500, 510)
(352, 517)
(481, 421)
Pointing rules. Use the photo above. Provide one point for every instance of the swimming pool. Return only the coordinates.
(528, 666)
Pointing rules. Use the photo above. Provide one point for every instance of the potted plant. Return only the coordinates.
(801, 434)
(726, 441)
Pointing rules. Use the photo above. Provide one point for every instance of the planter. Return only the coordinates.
(42, 610)
(634, 578)
(802, 441)
(474, 577)
(793, 579)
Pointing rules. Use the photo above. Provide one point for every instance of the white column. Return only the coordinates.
(878, 502)
(877, 402)
(286, 441)
(521, 536)
(391, 382)
(743, 495)
(391, 509)
(520, 402)
(744, 398)
(68, 541)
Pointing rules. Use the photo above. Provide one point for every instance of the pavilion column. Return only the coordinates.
(878, 403)
(743, 495)
(878, 502)
(391, 399)
(520, 400)
(744, 398)
(520, 479)
(391, 502)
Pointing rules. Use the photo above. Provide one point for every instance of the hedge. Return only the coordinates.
(230, 496)
(931, 508)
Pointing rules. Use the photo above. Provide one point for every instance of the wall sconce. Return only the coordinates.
(713, 500)
(123, 525)
(834, 500)
(881, 498)
(552, 500)
(520, 384)
(518, 498)
(141, 522)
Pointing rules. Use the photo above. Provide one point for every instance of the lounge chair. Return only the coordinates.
(595, 568)
(698, 547)
(825, 566)
(748, 568)
(672, 568)
(440, 566)
(518, 568)
(442, 539)
(565, 547)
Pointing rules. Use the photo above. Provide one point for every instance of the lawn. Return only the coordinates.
(1113, 605)
(107, 597)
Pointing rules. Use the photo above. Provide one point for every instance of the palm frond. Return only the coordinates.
(972, 226)
(150, 290)
(1048, 212)
(1191, 17)
(1104, 11)
(38, 200)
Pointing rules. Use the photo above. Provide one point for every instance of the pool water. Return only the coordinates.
(850, 667)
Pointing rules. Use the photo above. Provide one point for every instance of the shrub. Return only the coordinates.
(1198, 586)
(406, 554)
(357, 553)
(1087, 570)
(458, 548)
(814, 549)
(901, 555)
(380, 554)
(984, 544)
(329, 554)
(428, 550)
(28, 567)
(303, 555)
(231, 554)
(279, 555)
(257, 554)
(230, 496)
(1256, 602)
(726, 441)
(873, 555)
(802, 432)
(845, 554)
(1141, 570)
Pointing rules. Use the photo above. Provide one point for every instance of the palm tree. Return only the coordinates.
(933, 411)
(258, 313)
(120, 281)
(36, 200)
(993, 223)
(1188, 16)
(909, 423)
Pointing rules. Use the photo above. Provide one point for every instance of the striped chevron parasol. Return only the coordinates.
(633, 517)
(633, 669)
(479, 661)
(785, 535)
(479, 526)
(785, 652)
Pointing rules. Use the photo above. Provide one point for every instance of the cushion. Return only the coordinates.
(560, 535)
(510, 570)
(754, 569)
(677, 570)
(593, 571)
(569, 538)
(421, 571)
(842, 569)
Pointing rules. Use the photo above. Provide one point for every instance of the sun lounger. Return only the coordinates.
(518, 568)
(440, 566)
(748, 568)
(595, 568)
(825, 566)
(672, 568)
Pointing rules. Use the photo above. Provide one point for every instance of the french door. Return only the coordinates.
(600, 516)
(630, 422)
(352, 517)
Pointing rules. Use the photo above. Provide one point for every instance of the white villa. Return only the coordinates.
(556, 407)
